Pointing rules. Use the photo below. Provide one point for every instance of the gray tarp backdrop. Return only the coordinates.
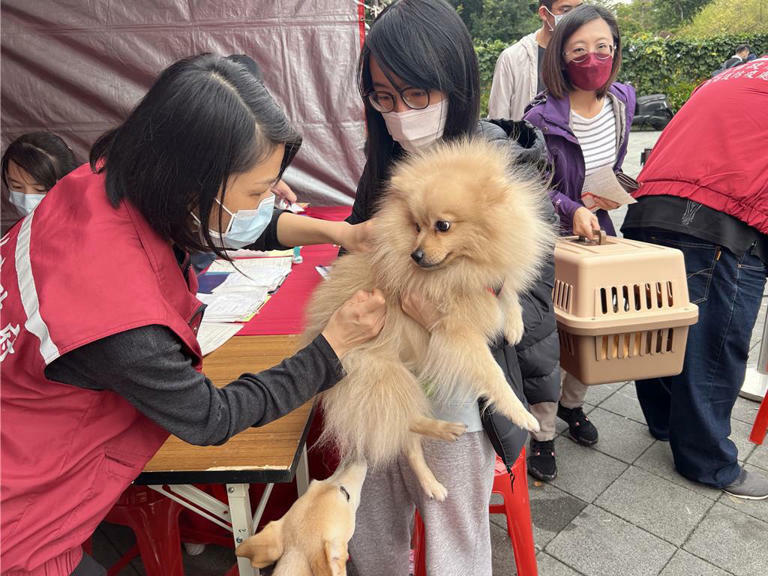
(77, 67)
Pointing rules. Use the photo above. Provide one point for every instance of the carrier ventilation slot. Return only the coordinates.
(566, 343)
(562, 295)
(634, 344)
(636, 297)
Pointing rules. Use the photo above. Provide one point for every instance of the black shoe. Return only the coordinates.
(579, 426)
(541, 460)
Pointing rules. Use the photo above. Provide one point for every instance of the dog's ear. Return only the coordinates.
(264, 548)
(332, 560)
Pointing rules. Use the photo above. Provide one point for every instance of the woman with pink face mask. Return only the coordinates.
(585, 117)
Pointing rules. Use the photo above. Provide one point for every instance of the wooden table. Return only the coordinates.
(265, 455)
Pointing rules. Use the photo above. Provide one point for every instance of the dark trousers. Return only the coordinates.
(693, 410)
(89, 567)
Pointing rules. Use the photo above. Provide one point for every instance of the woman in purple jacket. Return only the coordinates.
(585, 117)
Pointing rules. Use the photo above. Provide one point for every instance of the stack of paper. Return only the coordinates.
(246, 253)
(211, 335)
(249, 273)
(235, 292)
(233, 306)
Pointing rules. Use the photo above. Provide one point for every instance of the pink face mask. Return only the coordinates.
(591, 72)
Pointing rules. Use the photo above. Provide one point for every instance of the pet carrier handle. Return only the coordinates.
(600, 238)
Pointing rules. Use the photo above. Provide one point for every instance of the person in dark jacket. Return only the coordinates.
(586, 118)
(739, 57)
(418, 76)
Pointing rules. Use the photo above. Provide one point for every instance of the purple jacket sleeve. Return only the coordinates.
(564, 206)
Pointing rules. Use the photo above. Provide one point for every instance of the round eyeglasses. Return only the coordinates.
(602, 51)
(413, 98)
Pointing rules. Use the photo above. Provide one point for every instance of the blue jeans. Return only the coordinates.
(693, 410)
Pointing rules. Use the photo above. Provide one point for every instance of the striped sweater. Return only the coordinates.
(597, 137)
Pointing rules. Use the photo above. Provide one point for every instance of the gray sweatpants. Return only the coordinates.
(457, 531)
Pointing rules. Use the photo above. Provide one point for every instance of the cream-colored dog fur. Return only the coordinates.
(480, 227)
(311, 539)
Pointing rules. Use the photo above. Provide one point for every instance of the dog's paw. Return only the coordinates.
(450, 431)
(516, 412)
(434, 490)
(513, 328)
(531, 424)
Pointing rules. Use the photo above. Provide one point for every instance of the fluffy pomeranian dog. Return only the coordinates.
(461, 227)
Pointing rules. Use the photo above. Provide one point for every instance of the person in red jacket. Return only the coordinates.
(98, 348)
(701, 193)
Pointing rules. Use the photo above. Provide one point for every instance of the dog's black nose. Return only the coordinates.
(417, 255)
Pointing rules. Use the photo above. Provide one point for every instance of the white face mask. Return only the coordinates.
(25, 202)
(245, 226)
(557, 18)
(417, 129)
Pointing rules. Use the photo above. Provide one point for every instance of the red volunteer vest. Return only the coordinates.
(74, 271)
(714, 149)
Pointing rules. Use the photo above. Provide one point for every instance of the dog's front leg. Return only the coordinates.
(459, 359)
(440, 429)
(415, 454)
(509, 301)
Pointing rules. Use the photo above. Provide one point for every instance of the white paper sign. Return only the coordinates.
(603, 183)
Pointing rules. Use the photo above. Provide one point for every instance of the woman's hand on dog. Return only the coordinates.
(358, 320)
(584, 223)
(421, 310)
(356, 237)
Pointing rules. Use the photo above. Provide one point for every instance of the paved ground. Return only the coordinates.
(617, 509)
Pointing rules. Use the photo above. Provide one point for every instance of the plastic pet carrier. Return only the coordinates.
(622, 309)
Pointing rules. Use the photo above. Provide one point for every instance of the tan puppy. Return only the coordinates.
(311, 539)
(456, 225)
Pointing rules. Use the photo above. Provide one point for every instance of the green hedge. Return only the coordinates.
(669, 66)
(676, 66)
(487, 54)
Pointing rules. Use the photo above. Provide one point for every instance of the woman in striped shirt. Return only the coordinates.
(585, 117)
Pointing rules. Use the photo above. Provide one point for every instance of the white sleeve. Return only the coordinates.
(502, 88)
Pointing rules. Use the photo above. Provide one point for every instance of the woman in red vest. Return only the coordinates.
(704, 191)
(100, 361)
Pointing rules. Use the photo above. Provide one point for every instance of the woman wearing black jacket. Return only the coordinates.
(419, 79)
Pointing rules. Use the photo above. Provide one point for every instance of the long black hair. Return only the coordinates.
(426, 44)
(205, 118)
(43, 155)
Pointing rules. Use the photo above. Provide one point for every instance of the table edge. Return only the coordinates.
(232, 476)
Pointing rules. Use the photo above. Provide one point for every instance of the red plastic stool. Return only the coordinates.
(760, 426)
(154, 520)
(516, 508)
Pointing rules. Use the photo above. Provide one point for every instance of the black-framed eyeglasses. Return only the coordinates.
(413, 98)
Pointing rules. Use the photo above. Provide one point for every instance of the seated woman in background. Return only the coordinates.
(586, 117)
(32, 164)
